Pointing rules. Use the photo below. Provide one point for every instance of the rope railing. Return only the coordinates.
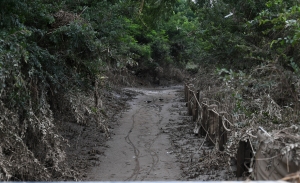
(194, 104)
(209, 122)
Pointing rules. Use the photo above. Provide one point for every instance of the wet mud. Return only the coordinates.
(141, 149)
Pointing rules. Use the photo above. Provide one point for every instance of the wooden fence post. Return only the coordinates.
(190, 103)
(241, 158)
(222, 131)
(187, 96)
(185, 93)
(244, 155)
(197, 105)
(212, 125)
(204, 120)
(194, 109)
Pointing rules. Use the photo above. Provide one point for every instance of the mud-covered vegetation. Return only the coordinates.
(254, 82)
(59, 59)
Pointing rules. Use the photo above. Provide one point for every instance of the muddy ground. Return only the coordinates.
(151, 139)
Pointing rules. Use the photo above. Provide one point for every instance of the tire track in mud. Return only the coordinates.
(148, 146)
(135, 150)
(139, 149)
(153, 154)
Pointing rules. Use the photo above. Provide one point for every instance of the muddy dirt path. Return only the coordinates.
(141, 149)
